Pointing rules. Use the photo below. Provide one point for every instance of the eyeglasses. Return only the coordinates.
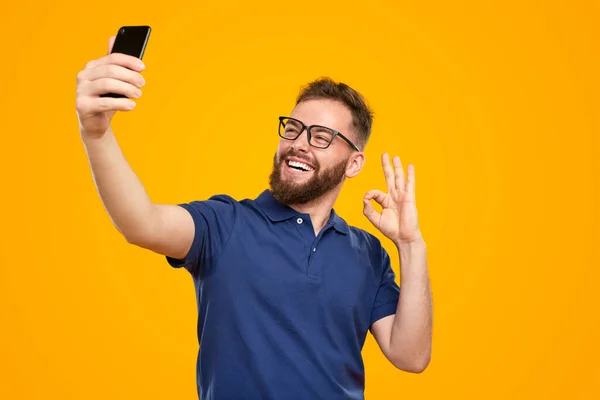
(318, 136)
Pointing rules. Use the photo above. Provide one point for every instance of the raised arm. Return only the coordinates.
(165, 229)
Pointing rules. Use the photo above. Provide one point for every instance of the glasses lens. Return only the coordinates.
(289, 129)
(320, 136)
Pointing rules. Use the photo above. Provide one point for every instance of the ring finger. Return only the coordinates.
(115, 72)
(109, 85)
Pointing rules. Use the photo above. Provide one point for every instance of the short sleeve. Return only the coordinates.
(388, 293)
(213, 223)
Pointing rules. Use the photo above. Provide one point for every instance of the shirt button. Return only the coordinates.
(314, 249)
(299, 220)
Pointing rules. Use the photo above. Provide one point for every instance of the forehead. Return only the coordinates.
(329, 113)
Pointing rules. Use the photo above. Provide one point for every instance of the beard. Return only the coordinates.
(319, 184)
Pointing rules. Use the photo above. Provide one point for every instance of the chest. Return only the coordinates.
(290, 268)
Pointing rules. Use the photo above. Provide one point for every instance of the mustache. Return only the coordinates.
(292, 153)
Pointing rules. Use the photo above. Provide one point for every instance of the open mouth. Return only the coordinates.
(299, 166)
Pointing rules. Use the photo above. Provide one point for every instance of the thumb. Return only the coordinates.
(111, 42)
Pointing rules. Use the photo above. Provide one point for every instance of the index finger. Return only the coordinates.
(121, 59)
(111, 43)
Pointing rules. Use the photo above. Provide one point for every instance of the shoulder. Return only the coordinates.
(216, 200)
(365, 237)
(358, 236)
(368, 243)
(218, 203)
(223, 205)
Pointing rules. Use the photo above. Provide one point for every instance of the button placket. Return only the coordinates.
(312, 272)
(306, 234)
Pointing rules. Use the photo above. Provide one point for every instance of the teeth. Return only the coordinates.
(300, 165)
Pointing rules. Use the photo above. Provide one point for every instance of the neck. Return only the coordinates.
(319, 209)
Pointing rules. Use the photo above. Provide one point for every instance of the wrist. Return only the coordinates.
(415, 243)
(411, 249)
(413, 256)
(91, 138)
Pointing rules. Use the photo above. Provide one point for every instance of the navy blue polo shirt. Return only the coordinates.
(283, 313)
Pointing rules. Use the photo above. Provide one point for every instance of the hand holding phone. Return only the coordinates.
(112, 82)
(132, 41)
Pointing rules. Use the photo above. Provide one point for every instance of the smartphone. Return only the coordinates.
(130, 40)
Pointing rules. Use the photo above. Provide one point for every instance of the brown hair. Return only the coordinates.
(327, 88)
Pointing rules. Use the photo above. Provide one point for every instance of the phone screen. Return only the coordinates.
(131, 40)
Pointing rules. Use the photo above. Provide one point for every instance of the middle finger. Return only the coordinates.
(117, 72)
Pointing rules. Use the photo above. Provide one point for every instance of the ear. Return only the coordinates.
(355, 164)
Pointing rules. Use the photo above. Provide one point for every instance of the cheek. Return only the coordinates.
(322, 161)
(327, 160)
(283, 146)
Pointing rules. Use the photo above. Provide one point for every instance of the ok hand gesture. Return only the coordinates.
(398, 219)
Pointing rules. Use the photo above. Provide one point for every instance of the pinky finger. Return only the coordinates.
(102, 104)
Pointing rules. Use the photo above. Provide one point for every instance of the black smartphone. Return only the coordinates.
(130, 40)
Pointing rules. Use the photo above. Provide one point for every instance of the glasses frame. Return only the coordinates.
(309, 128)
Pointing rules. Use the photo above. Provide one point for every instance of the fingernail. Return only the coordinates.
(142, 65)
(142, 82)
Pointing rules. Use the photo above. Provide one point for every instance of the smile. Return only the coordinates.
(299, 166)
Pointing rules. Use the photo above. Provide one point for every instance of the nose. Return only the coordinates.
(301, 143)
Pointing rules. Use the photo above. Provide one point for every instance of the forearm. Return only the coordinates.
(412, 327)
(120, 190)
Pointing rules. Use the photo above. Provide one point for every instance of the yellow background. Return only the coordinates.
(495, 102)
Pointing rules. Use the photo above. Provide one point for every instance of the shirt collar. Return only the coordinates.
(277, 211)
